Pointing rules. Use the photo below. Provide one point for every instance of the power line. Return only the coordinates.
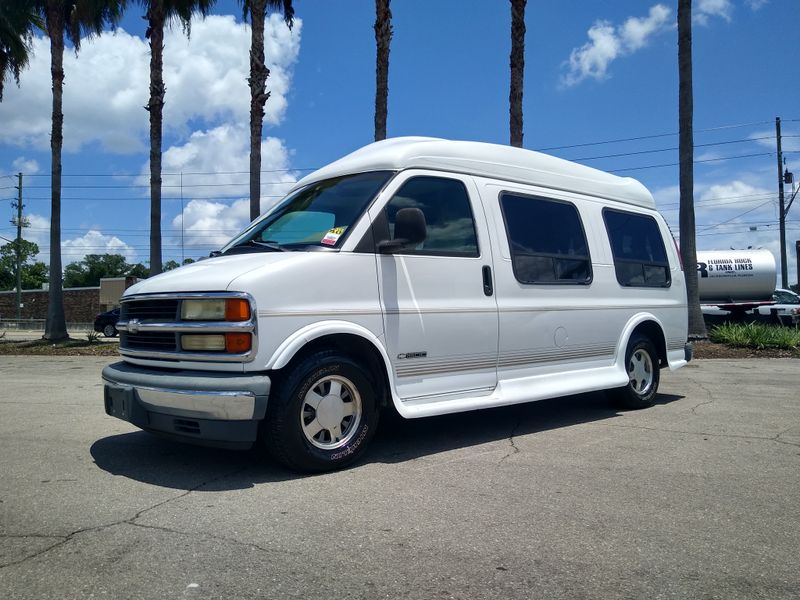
(145, 175)
(675, 149)
(132, 185)
(711, 204)
(734, 217)
(706, 160)
(656, 135)
(147, 198)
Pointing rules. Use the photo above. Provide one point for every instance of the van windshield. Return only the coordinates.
(319, 214)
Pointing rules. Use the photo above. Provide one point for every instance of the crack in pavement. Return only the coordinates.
(514, 448)
(706, 390)
(22, 536)
(778, 439)
(130, 521)
(775, 438)
(213, 536)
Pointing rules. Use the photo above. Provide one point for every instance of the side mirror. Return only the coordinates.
(410, 229)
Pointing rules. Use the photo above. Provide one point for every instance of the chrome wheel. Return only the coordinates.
(109, 330)
(331, 412)
(640, 371)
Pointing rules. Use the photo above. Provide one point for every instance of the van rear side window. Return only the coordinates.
(640, 258)
(546, 240)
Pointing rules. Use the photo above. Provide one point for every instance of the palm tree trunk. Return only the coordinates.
(697, 328)
(258, 98)
(155, 18)
(517, 70)
(383, 37)
(56, 326)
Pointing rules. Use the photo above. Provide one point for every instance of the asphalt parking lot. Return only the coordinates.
(697, 497)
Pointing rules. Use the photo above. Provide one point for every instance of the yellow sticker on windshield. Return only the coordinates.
(333, 236)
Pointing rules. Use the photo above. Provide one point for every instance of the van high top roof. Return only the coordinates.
(485, 160)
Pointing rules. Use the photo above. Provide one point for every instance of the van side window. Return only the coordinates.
(448, 216)
(640, 258)
(546, 240)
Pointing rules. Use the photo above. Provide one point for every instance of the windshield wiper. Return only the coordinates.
(254, 245)
(271, 244)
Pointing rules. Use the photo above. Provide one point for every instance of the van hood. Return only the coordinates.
(213, 274)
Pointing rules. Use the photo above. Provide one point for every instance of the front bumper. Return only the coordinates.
(207, 408)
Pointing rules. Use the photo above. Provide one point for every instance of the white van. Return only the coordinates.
(436, 276)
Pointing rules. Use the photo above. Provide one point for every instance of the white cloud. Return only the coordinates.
(106, 86)
(705, 9)
(222, 156)
(756, 4)
(38, 232)
(790, 139)
(733, 214)
(74, 249)
(94, 242)
(216, 163)
(738, 194)
(210, 224)
(25, 166)
(636, 30)
(607, 43)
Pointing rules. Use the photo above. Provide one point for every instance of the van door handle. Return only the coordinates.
(487, 280)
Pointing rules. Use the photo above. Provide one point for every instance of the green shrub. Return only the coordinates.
(93, 337)
(756, 335)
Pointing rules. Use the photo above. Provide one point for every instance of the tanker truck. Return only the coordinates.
(735, 277)
(740, 284)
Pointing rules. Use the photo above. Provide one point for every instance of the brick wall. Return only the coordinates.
(81, 305)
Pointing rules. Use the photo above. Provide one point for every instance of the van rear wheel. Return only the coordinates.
(322, 414)
(642, 366)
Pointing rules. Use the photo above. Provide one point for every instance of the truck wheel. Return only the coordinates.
(109, 330)
(322, 415)
(641, 363)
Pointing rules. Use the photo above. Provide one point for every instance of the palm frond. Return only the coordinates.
(18, 20)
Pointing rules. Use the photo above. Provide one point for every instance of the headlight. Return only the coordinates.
(203, 310)
(230, 309)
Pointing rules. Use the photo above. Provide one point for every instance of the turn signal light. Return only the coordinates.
(237, 343)
(237, 309)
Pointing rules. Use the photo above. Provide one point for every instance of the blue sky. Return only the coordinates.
(595, 71)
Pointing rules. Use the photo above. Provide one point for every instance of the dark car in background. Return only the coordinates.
(106, 323)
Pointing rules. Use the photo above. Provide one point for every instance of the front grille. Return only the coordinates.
(149, 340)
(150, 310)
(151, 327)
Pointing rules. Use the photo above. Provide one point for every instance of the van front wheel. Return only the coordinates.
(641, 364)
(322, 415)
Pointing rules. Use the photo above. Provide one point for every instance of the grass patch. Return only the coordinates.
(69, 347)
(756, 335)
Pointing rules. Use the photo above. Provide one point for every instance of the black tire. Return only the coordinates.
(290, 419)
(109, 330)
(642, 365)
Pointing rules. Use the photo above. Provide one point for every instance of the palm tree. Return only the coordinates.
(17, 23)
(383, 37)
(517, 60)
(697, 328)
(256, 11)
(65, 19)
(158, 13)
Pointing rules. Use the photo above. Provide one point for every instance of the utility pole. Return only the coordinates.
(19, 223)
(781, 209)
